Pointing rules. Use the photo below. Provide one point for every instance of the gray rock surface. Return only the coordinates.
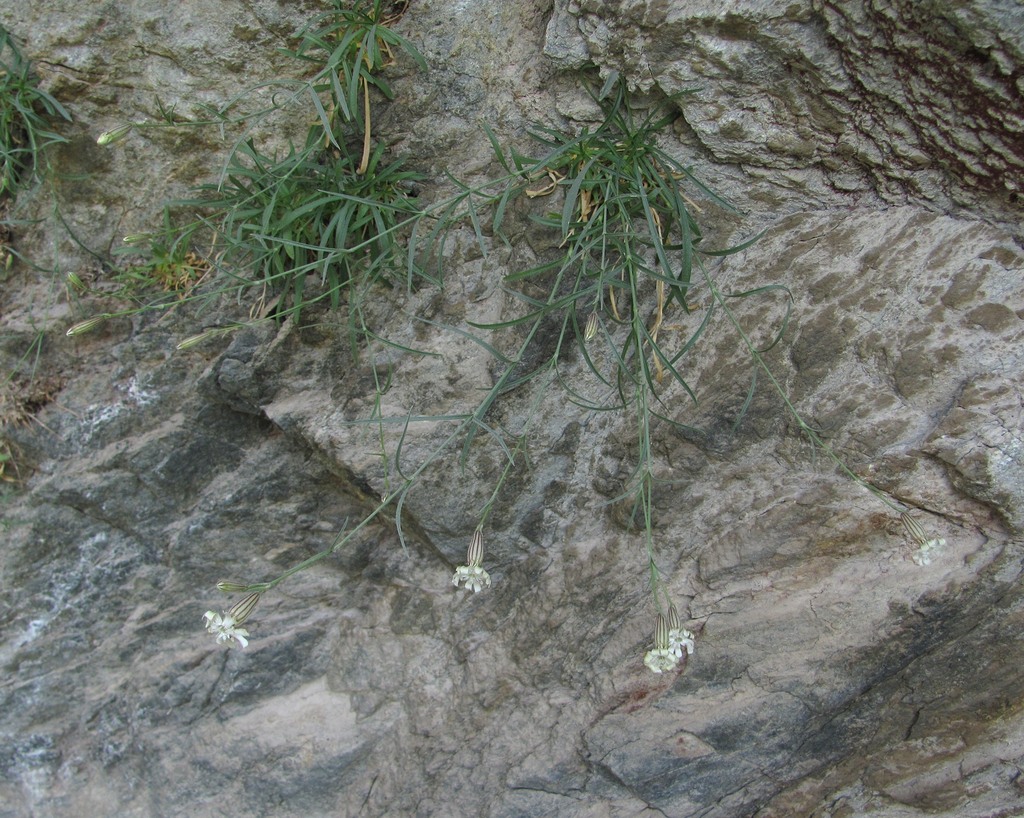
(879, 145)
(899, 100)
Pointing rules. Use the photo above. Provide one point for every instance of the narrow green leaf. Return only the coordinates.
(746, 403)
(496, 147)
(571, 196)
(728, 251)
(609, 83)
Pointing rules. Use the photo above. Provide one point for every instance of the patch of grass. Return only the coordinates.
(168, 259)
(28, 118)
(628, 253)
(319, 221)
(26, 131)
(349, 46)
(628, 236)
(309, 215)
(26, 112)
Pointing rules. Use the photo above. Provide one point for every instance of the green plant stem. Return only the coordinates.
(399, 498)
(343, 538)
(645, 487)
(520, 445)
(378, 391)
(469, 423)
(812, 435)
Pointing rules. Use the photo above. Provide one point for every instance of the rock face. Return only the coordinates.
(879, 146)
(903, 99)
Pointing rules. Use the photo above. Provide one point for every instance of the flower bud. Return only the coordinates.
(195, 340)
(661, 634)
(76, 282)
(115, 135)
(591, 330)
(673, 618)
(475, 553)
(240, 610)
(87, 325)
(232, 587)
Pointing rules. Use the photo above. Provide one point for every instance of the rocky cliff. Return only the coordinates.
(879, 146)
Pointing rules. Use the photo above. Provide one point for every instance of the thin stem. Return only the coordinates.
(812, 435)
(343, 538)
(519, 447)
(385, 466)
(645, 489)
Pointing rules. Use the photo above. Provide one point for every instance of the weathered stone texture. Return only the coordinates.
(898, 99)
(879, 147)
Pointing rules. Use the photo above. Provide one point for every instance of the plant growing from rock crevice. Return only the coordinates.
(630, 250)
(169, 260)
(325, 210)
(26, 112)
(27, 131)
(629, 253)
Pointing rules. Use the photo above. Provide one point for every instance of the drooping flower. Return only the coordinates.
(923, 556)
(225, 626)
(926, 545)
(227, 587)
(661, 657)
(87, 325)
(661, 660)
(475, 577)
(679, 638)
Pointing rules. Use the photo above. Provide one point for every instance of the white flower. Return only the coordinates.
(680, 639)
(668, 643)
(475, 577)
(676, 638)
(925, 545)
(661, 659)
(223, 626)
(924, 553)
